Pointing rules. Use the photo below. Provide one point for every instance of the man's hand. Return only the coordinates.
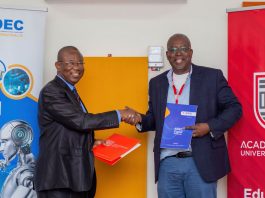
(199, 129)
(130, 116)
(104, 142)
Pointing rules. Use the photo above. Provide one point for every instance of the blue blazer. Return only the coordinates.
(217, 106)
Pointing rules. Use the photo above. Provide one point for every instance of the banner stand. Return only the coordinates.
(22, 32)
(246, 76)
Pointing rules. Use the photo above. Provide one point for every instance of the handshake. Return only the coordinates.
(130, 116)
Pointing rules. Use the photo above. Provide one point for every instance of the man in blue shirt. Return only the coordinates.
(65, 166)
(190, 173)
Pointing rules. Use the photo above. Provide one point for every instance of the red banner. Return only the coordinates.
(246, 75)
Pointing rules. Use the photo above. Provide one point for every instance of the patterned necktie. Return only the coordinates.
(76, 95)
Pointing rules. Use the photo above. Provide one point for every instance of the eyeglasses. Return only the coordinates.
(71, 64)
(175, 50)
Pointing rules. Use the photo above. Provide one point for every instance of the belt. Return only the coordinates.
(181, 155)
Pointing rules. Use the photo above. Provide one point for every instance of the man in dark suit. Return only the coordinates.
(192, 172)
(65, 166)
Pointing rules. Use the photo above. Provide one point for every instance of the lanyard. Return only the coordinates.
(177, 93)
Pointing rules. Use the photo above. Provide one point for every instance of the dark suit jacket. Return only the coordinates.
(66, 138)
(217, 106)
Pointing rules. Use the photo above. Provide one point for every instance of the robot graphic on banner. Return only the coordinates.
(2, 69)
(15, 140)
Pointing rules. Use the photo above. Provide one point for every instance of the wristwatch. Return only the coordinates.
(138, 126)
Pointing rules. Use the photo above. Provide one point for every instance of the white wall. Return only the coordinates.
(127, 27)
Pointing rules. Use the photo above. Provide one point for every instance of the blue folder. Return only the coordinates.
(177, 117)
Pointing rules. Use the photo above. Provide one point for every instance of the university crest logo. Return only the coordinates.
(259, 97)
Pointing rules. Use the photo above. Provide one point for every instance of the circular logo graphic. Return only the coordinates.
(16, 82)
(2, 69)
(22, 134)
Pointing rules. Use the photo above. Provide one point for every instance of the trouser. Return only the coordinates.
(68, 193)
(62, 193)
(179, 178)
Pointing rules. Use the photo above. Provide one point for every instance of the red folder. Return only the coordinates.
(120, 146)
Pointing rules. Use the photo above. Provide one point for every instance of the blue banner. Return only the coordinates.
(21, 66)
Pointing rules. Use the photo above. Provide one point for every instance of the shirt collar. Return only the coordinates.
(170, 75)
(67, 83)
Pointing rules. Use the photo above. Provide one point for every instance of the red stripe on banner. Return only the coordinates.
(246, 67)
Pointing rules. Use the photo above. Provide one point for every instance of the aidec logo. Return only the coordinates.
(259, 97)
(11, 25)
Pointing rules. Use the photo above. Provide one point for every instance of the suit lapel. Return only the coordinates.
(195, 84)
(83, 105)
(69, 93)
(163, 87)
